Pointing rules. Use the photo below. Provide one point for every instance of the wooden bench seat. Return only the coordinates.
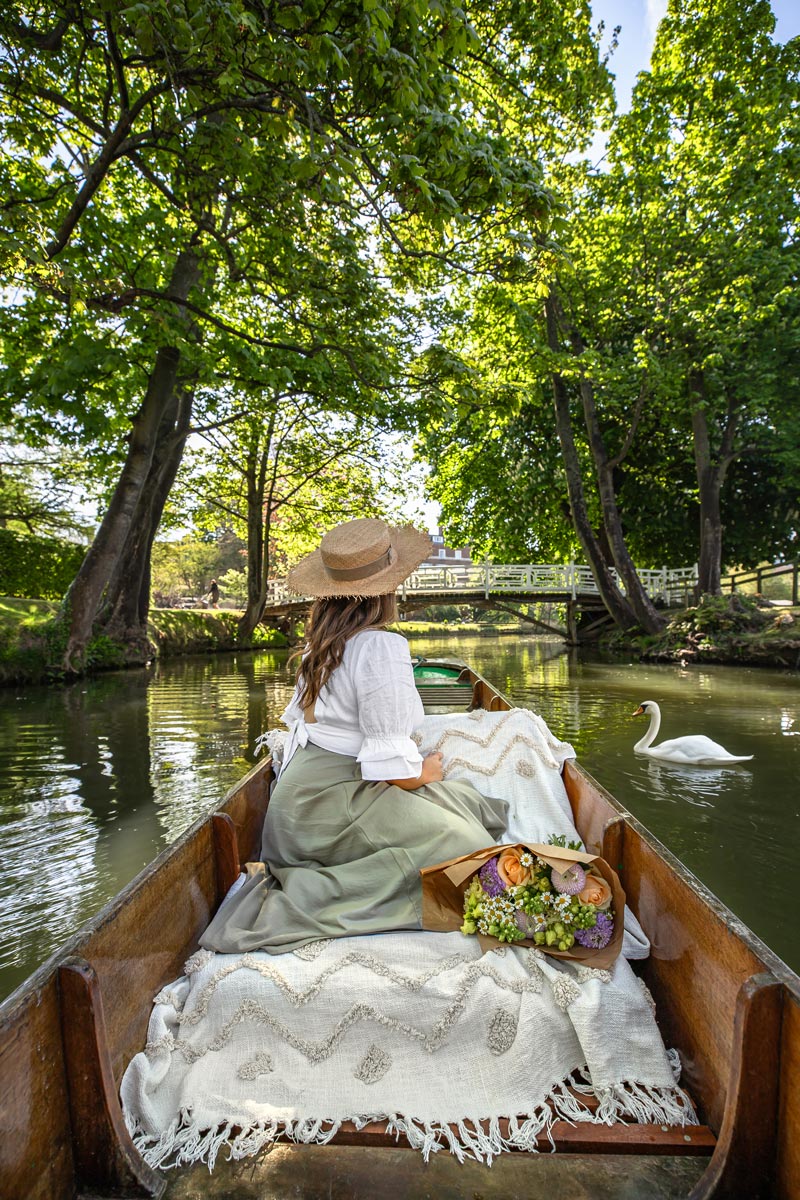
(582, 1138)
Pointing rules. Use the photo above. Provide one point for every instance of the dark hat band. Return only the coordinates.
(362, 572)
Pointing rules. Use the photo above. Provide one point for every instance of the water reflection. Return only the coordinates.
(98, 777)
(788, 723)
(701, 787)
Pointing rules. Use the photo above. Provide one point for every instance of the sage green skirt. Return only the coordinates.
(342, 855)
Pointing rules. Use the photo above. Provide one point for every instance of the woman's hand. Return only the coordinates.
(431, 773)
(431, 769)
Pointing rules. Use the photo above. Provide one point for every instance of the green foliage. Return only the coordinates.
(721, 629)
(41, 567)
(677, 266)
(451, 629)
(291, 468)
(39, 491)
(315, 161)
(289, 148)
(694, 214)
(33, 637)
(190, 632)
(185, 567)
(233, 587)
(716, 615)
(560, 839)
(104, 654)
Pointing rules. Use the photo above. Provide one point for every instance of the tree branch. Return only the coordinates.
(41, 92)
(629, 436)
(98, 171)
(119, 69)
(45, 41)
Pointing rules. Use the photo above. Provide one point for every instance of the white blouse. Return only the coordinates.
(367, 709)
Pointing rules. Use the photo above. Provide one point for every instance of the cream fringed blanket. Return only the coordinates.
(419, 1029)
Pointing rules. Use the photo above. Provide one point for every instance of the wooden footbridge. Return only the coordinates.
(489, 585)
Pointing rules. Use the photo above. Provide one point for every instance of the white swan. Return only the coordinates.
(696, 749)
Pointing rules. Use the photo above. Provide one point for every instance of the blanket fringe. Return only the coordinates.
(184, 1142)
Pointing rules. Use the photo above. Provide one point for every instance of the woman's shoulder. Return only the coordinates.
(377, 641)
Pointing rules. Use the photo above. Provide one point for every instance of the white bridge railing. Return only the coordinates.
(672, 585)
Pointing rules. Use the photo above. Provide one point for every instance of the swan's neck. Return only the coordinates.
(652, 732)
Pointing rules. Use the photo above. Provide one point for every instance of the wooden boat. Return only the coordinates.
(729, 1005)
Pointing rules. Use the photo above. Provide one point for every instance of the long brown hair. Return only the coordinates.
(333, 620)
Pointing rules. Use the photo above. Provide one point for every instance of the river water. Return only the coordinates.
(96, 778)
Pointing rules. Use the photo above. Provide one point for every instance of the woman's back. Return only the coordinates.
(368, 708)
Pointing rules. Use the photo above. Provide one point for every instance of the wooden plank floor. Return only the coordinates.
(354, 1172)
(453, 696)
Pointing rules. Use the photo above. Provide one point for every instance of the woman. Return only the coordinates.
(356, 812)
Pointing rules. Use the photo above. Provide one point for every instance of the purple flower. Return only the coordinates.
(571, 881)
(491, 882)
(599, 935)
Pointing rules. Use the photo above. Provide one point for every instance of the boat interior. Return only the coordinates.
(730, 1007)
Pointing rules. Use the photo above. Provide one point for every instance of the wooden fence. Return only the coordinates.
(742, 578)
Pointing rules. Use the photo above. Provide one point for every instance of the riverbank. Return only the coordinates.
(731, 630)
(30, 639)
(31, 651)
(727, 630)
(451, 629)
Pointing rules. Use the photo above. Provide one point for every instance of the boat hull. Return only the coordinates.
(729, 1005)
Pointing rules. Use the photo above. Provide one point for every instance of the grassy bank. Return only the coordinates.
(733, 630)
(458, 629)
(31, 643)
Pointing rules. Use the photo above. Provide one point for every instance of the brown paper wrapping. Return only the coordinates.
(443, 888)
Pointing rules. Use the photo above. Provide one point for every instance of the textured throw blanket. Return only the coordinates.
(418, 1029)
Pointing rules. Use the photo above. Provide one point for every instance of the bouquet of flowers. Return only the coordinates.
(555, 897)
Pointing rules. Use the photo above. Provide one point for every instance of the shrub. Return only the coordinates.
(40, 567)
(719, 615)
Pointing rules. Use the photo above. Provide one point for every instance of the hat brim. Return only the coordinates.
(410, 546)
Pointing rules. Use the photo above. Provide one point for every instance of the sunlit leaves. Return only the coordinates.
(680, 258)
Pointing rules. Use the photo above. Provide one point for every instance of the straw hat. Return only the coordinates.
(366, 557)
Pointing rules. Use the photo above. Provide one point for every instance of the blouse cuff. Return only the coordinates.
(383, 758)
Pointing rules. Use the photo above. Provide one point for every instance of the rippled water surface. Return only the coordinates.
(95, 779)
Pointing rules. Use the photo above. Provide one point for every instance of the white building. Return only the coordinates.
(445, 556)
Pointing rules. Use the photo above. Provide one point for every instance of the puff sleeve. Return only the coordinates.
(389, 708)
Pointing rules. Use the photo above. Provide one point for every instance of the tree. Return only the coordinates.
(672, 273)
(704, 169)
(185, 566)
(164, 172)
(280, 476)
(39, 489)
(507, 313)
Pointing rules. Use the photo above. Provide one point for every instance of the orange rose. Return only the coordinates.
(511, 870)
(596, 891)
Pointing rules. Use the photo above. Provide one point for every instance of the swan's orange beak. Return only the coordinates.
(639, 712)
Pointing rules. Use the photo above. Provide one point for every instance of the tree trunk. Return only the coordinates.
(83, 599)
(709, 568)
(636, 595)
(612, 597)
(711, 471)
(641, 603)
(259, 511)
(127, 605)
